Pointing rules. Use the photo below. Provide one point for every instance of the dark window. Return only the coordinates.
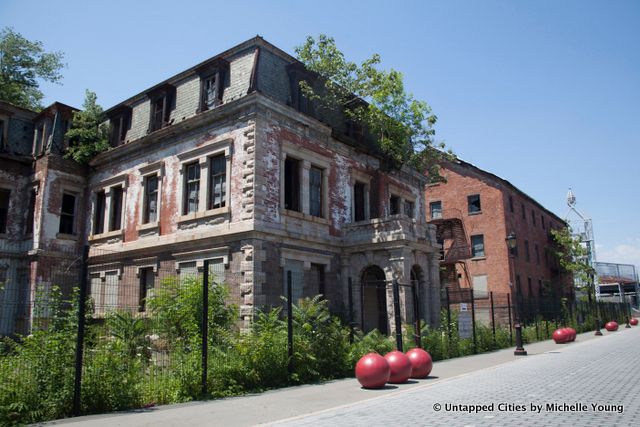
(4, 208)
(115, 216)
(542, 219)
(394, 205)
(359, 213)
(473, 203)
(191, 188)
(354, 130)
(529, 285)
(511, 204)
(318, 276)
(217, 181)
(527, 254)
(150, 199)
(477, 246)
(315, 191)
(524, 213)
(436, 209)
(98, 215)
(518, 286)
(292, 184)
(537, 251)
(119, 125)
(533, 217)
(31, 212)
(161, 102)
(408, 208)
(67, 214)
(147, 277)
(3, 142)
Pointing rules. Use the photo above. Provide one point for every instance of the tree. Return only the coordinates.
(22, 63)
(88, 135)
(375, 99)
(572, 256)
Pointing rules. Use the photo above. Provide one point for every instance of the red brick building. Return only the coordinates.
(475, 211)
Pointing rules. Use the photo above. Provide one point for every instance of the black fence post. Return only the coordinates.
(350, 296)
(473, 323)
(290, 323)
(205, 325)
(396, 313)
(493, 320)
(82, 309)
(510, 323)
(416, 314)
(448, 314)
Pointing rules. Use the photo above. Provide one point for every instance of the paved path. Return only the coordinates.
(533, 390)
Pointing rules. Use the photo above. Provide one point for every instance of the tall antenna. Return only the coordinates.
(581, 227)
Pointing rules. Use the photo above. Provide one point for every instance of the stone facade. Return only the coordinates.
(222, 163)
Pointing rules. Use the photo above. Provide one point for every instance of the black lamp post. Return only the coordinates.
(512, 244)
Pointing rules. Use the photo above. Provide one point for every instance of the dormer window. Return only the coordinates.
(299, 101)
(119, 124)
(161, 104)
(211, 84)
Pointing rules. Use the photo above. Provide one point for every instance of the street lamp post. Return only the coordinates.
(512, 244)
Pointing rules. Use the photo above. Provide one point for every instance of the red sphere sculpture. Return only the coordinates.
(611, 326)
(421, 363)
(372, 371)
(400, 367)
(633, 321)
(572, 334)
(560, 336)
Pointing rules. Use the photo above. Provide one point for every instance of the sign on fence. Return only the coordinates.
(465, 324)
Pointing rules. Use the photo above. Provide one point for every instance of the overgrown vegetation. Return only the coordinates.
(135, 360)
(88, 135)
(375, 100)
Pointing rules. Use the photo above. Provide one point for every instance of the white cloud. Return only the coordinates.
(626, 253)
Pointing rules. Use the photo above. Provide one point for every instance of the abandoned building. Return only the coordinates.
(475, 212)
(226, 162)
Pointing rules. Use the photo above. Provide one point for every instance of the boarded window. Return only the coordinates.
(480, 286)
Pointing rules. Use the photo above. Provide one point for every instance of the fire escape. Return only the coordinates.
(456, 250)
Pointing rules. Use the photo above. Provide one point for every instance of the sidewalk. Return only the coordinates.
(298, 401)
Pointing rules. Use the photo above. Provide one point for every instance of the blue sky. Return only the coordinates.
(545, 94)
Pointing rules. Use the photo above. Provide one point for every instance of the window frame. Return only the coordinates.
(473, 245)
(471, 202)
(315, 186)
(107, 186)
(73, 215)
(202, 156)
(165, 95)
(363, 179)
(217, 70)
(119, 125)
(431, 210)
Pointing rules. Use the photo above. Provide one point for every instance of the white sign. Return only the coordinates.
(465, 324)
(463, 306)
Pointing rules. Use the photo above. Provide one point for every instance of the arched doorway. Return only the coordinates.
(374, 300)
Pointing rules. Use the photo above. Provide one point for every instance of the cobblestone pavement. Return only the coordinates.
(593, 383)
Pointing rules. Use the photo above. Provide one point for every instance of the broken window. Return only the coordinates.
(473, 203)
(119, 125)
(211, 84)
(210, 89)
(161, 101)
(359, 209)
(527, 254)
(292, 184)
(150, 213)
(394, 205)
(533, 217)
(191, 188)
(4, 208)
(67, 214)
(98, 215)
(315, 191)
(217, 181)
(115, 217)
